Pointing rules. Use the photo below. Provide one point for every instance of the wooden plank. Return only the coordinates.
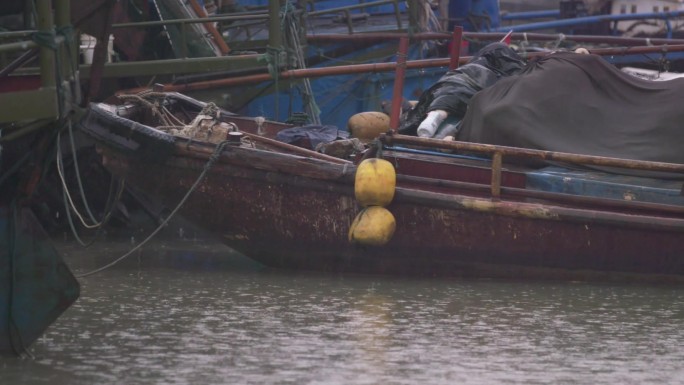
(175, 66)
(37, 104)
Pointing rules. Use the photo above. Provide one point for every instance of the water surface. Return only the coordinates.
(198, 314)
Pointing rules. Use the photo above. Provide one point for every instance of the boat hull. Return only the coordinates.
(293, 221)
(288, 207)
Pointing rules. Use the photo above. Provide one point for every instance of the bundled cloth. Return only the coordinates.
(453, 91)
(311, 136)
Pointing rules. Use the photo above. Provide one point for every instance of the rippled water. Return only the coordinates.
(181, 316)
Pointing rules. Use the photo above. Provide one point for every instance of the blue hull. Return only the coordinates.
(35, 284)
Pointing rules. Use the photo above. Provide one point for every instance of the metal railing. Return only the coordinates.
(346, 10)
(45, 102)
(499, 152)
(246, 20)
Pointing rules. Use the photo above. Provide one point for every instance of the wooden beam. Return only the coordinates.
(38, 104)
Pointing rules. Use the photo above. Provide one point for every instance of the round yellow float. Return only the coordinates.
(368, 125)
(375, 182)
(373, 226)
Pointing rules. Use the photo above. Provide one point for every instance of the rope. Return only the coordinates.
(557, 43)
(212, 159)
(209, 112)
(153, 106)
(67, 210)
(69, 205)
(171, 117)
(45, 39)
(77, 170)
(211, 109)
(291, 28)
(378, 153)
(109, 210)
(60, 171)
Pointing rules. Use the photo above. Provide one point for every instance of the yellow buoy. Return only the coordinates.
(373, 226)
(368, 125)
(375, 182)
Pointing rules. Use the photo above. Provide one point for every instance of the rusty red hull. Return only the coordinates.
(294, 211)
(290, 221)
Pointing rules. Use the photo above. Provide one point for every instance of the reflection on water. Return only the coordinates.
(186, 317)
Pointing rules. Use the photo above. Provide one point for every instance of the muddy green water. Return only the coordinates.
(195, 313)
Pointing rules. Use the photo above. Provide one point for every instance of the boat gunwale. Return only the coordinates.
(492, 149)
(343, 174)
(342, 182)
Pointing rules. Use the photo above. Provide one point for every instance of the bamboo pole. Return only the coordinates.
(386, 67)
(274, 38)
(562, 198)
(371, 37)
(533, 154)
(47, 55)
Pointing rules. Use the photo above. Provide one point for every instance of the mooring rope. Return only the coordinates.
(109, 210)
(69, 204)
(77, 171)
(212, 159)
(60, 172)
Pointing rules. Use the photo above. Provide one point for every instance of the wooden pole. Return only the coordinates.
(383, 67)
(532, 154)
(274, 38)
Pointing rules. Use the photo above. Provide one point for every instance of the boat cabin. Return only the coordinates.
(645, 26)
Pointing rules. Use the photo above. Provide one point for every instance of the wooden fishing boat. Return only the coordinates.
(456, 214)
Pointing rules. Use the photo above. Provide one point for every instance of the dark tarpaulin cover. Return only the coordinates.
(580, 104)
(452, 92)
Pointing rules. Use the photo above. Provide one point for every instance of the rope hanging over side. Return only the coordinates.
(212, 159)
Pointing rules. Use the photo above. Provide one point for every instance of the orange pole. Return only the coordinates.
(398, 92)
(455, 47)
(210, 27)
(380, 67)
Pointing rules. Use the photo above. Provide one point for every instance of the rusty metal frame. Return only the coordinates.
(498, 152)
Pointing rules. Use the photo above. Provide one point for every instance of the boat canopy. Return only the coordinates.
(580, 104)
